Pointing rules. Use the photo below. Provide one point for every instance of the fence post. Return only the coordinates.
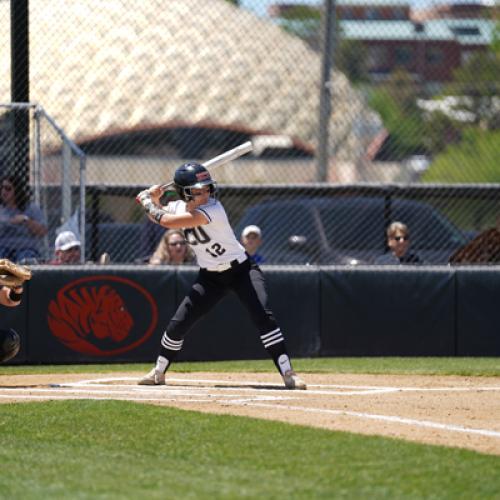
(66, 183)
(83, 167)
(19, 39)
(325, 96)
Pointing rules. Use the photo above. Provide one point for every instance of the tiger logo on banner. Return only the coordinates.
(91, 316)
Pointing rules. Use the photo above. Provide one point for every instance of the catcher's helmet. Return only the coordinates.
(10, 343)
(192, 175)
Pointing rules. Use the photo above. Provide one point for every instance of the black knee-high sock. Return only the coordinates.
(168, 352)
(274, 343)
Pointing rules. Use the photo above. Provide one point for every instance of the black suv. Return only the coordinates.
(347, 230)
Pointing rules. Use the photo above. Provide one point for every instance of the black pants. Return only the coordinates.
(245, 279)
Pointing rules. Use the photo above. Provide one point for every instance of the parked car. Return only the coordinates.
(347, 230)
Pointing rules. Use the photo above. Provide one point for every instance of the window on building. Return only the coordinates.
(347, 13)
(434, 55)
(372, 14)
(466, 31)
(404, 56)
(399, 13)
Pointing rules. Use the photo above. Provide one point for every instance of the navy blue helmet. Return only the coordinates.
(192, 175)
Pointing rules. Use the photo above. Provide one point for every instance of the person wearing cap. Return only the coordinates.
(67, 249)
(251, 239)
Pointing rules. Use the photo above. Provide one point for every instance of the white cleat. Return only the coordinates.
(293, 381)
(153, 378)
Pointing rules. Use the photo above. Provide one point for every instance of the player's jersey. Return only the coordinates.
(213, 243)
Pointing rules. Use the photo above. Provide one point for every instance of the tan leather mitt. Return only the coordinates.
(13, 275)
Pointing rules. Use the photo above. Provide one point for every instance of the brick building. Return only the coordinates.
(429, 46)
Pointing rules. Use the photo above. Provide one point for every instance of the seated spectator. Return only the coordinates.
(22, 226)
(173, 249)
(251, 239)
(398, 242)
(67, 249)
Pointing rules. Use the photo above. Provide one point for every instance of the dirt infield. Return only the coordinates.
(451, 411)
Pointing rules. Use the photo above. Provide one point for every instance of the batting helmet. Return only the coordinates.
(10, 342)
(192, 175)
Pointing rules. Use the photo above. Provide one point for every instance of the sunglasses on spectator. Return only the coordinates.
(175, 243)
(401, 238)
(6, 187)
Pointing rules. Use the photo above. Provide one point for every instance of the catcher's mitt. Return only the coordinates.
(10, 343)
(13, 275)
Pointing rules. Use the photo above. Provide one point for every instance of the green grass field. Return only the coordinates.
(113, 450)
(479, 367)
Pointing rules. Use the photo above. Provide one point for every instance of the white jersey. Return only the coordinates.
(213, 243)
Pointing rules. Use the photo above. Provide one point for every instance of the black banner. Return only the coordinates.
(118, 314)
(102, 316)
(478, 313)
(387, 313)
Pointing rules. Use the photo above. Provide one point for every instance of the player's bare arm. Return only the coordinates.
(187, 220)
(150, 200)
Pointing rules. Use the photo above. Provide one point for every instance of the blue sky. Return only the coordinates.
(260, 6)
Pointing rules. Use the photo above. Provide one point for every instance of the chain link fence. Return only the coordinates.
(43, 178)
(384, 113)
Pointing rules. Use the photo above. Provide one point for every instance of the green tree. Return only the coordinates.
(352, 60)
(404, 90)
(303, 21)
(396, 103)
(476, 85)
(439, 132)
(495, 44)
(474, 160)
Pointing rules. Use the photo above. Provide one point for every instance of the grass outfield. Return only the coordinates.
(112, 449)
(115, 449)
(394, 365)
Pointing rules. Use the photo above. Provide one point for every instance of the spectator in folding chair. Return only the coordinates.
(22, 225)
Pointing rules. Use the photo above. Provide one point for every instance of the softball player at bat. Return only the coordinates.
(224, 266)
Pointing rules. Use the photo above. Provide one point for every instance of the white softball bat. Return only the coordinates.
(230, 155)
(223, 158)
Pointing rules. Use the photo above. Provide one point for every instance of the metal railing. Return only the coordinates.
(55, 161)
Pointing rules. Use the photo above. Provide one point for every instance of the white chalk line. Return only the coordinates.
(253, 385)
(383, 418)
(50, 397)
(229, 386)
(89, 389)
(161, 393)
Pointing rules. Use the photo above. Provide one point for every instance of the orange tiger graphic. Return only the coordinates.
(87, 312)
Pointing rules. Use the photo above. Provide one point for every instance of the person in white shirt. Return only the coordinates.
(224, 265)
